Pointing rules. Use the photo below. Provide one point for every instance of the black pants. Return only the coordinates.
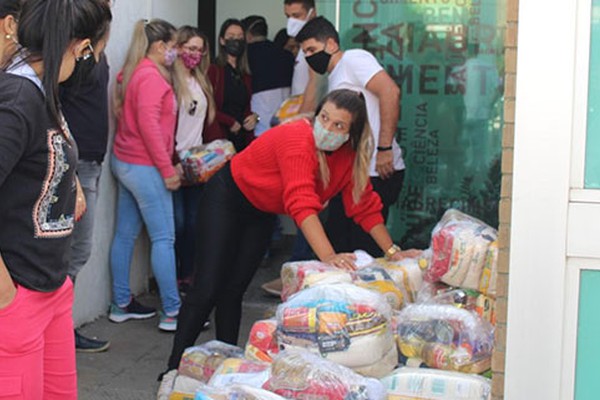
(232, 239)
(345, 234)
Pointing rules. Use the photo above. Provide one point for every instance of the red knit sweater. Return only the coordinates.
(279, 173)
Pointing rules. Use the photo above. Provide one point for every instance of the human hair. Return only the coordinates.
(307, 4)
(281, 38)
(10, 7)
(48, 27)
(361, 138)
(182, 90)
(242, 61)
(320, 29)
(256, 25)
(145, 33)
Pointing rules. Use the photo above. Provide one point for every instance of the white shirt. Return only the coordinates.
(265, 104)
(300, 77)
(191, 118)
(354, 71)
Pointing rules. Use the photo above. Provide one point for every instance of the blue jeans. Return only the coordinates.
(88, 173)
(143, 197)
(185, 204)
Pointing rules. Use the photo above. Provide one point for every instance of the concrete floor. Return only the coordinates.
(139, 351)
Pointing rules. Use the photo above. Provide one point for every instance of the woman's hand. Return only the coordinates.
(80, 203)
(410, 253)
(250, 121)
(173, 182)
(342, 260)
(235, 128)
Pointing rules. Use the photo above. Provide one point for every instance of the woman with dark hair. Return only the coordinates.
(142, 163)
(230, 77)
(9, 15)
(291, 169)
(37, 208)
(196, 110)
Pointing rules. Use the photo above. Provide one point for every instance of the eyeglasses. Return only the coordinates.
(194, 49)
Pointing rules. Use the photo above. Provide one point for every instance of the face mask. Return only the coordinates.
(235, 47)
(326, 140)
(295, 25)
(83, 69)
(170, 56)
(319, 61)
(191, 60)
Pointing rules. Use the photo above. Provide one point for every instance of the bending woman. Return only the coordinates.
(141, 162)
(292, 169)
(38, 158)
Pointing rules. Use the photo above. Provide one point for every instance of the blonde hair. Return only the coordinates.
(180, 72)
(361, 139)
(145, 33)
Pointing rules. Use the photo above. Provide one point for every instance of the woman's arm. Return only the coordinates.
(317, 239)
(382, 237)
(7, 286)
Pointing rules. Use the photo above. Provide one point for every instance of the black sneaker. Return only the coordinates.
(88, 345)
(133, 310)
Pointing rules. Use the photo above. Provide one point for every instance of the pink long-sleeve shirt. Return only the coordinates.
(146, 130)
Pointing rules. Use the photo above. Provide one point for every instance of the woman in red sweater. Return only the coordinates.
(292, 169)
(230, 78)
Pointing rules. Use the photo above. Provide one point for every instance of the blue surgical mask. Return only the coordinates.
(326, 140)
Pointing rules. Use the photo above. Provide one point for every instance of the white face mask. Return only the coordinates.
(295, 25)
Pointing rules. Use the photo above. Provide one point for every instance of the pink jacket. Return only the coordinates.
(146, 130)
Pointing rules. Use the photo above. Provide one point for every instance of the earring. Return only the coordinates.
(8, 36)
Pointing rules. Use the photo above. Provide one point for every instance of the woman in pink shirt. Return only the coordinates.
(144, 143)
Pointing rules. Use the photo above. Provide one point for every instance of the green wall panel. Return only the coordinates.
(448, 58)
(587, 384)
(592, 157)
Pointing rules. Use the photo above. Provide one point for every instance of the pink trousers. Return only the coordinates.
(37, 349)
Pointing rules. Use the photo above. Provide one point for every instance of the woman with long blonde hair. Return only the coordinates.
(142, 163)
(196, 110)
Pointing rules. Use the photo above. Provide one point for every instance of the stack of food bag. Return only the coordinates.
(445, 337)
(343, 323)
(178, 387)
(262, 341)
(289, 109)
(428, 384)
(302, 375)
(240, 371)
(201, 362)
(201, 162)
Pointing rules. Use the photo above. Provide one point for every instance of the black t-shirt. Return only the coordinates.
(85, 106)
(272, 67)
(37, 187)
(235, 101)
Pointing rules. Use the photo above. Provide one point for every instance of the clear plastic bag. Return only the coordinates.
(178, 387)
(343, 323)
(407, 274)
(445, 337)
(262, 341)
(303, 375)
(240, 371)
(299, 275)
(428, 384)
(201, 162)
(200, 362)
(459, 245)
(244, 392)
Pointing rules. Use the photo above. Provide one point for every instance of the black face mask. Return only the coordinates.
(319, 61)
(83, 70)
(235, 47)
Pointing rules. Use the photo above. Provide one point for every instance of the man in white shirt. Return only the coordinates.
(359, 70)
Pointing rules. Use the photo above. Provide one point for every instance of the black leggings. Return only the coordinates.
(345, 234)
(232, 239)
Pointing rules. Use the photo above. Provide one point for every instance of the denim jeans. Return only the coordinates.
(185, 203)
(143, 197)
(88, 173)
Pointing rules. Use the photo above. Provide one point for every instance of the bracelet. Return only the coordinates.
(384, 148)
(389, 253)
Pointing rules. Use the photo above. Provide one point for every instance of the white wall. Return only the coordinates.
(92, 290)
(272, 10)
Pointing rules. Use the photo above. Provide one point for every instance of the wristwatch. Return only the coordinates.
(389, 253)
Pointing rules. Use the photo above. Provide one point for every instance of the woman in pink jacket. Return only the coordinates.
(147, 112)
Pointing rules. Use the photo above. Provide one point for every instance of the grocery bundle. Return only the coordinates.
(199, 163)
(354, 335)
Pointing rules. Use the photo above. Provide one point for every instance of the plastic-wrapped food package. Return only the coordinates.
(212, 393)
(344, 323)
(200, 362)
(289, 108)
(241, 371)
(299, 275)
(487, 284)
(459, 245)
(201, 162)
(262, 341)
(244, 392)
(178, 387)
(445, 337)
(428, 384)
(303, 375)
(407, 274)
(378, 279)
